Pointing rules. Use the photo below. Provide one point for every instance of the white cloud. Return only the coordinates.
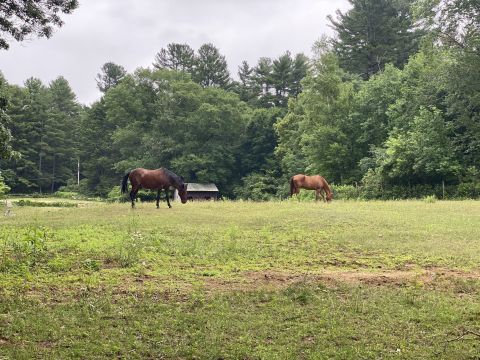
(130, 33)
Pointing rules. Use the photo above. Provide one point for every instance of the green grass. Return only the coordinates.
(282, 280)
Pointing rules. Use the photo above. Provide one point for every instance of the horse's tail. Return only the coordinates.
(125, 183)
(292, 186)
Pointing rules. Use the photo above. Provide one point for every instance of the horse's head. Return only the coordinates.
(329, 197)
(182, 192)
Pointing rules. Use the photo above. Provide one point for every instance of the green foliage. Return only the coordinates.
(453, 22)
(178, 57)
(372, 34)
(4, 189)
(115, 195)
(45, 124)
(24, 253)
(347, 192)
(317, 134)
(410, 126)
(6, 150)
(44, 204)
(110, 76)
(211, 68)
(21, 19)
(430, 199)
(258, 187)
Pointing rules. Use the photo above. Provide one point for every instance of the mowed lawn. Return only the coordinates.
(242, 280)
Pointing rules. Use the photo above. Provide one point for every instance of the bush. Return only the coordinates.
(371, 185)
(115, 195)
(69, 195)
(44, 204)
(4, 188)
(73, 188)
(468, 190)
(257, 187)
(430, 199)
(347, 192)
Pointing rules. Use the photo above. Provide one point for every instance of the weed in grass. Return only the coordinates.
(430, 199)
(26, 250)
(129, 251)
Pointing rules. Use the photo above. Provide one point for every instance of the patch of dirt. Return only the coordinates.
(168, 289)
(275, 279)
(46, 344)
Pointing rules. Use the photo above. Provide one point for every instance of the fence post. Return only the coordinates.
(443, 189)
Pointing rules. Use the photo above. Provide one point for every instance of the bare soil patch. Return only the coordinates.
(276, 279)
(169, 289)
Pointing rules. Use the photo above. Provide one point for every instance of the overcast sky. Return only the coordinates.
(131, 32)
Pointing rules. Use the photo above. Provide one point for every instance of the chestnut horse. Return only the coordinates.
(154, 179)
(315, 182)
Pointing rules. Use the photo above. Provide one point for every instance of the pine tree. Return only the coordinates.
(263, 79)
(178, 57)
(6, 150)
(211, 68)
(110, 76)
(62, 132)
(299, 71)
(282, 78)
(247, 88)
(373, 33)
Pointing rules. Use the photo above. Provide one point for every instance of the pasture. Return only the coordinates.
(242, 280)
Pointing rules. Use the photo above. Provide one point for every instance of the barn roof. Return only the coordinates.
(202, 187)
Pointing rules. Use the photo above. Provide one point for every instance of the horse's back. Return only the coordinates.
(146, 178)
(309, 182)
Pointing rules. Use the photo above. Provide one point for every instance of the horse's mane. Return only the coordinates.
(177, 179)
(327, 185)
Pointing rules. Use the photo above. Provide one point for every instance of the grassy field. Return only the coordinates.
(242, 280)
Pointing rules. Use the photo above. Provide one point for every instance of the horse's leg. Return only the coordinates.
(166, 195)
(158, 198)
(132, 197)
(322, 190)
(296, 191)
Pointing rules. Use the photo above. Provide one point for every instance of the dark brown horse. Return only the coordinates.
(154, 179)
(315, 182)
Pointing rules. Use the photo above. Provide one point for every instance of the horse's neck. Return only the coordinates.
(327, 187)
(175, 182)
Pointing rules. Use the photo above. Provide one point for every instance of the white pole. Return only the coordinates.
(78, 172)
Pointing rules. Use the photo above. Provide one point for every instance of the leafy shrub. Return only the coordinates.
(69, 195)
(115, 195)
(468, 190)
(257, 187)
(430, 199)
(4, 188)
(371, 185)
(347, 192)
(44, 204)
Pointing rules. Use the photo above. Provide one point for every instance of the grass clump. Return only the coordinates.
(44, 204)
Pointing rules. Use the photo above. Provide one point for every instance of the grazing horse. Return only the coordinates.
(154, 179)
(315, 182)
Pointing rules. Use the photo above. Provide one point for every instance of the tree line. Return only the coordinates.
(391, 102)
